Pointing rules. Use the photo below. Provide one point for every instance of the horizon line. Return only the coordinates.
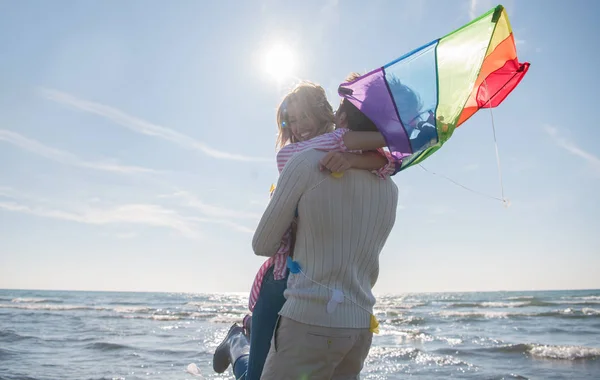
(244, 292)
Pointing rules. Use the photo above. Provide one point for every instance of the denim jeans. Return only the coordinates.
(264, 316)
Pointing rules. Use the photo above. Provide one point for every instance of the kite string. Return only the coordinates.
(504, 200)
(458, 184)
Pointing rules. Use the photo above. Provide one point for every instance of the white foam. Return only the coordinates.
(590, 311)
(193, 369)
(564, 352)
(39, 306)
(475, 314)
(503, 304)
(30, 300)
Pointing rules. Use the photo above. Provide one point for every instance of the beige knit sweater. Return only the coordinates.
(342, 226)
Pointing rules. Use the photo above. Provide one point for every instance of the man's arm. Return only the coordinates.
(280, 212)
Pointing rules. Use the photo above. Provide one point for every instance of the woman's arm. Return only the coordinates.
(363, 140)
(341, 140)
(342, 161)
(380, 162)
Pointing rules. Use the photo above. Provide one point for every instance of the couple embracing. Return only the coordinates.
(328, 219)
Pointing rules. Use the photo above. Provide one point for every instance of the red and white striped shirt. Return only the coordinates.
(332, 142)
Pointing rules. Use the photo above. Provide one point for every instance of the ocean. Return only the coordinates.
(113, 335)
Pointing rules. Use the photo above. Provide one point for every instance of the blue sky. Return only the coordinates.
(137, 144)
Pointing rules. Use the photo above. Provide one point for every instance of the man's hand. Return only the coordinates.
(336, 162)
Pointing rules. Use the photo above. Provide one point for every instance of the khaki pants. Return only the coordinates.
(305, 352)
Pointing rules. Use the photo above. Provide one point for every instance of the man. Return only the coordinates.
(343, 225)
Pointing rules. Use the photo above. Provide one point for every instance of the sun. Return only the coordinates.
(279, 62)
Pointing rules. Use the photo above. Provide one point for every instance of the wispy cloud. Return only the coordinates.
(127, 235)
(140, 214)
(63, 157)
(223, 222)
(95, 213)
(141, 126)
(572, 147)
(190, 200)
(475, 7)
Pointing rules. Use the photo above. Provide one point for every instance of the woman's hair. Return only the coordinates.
(311, 99)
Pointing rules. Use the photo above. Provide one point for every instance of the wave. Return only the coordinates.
(105, 346)
(38, 306)
(550, 351)
(34, 300)
(12, 336)
(586, 298)
(501, 305)
(377, 354)
(18, 377)
(133, 309)
(129, 312)
(521, 298)
(566, 313)
(408, 320)
(532, 350)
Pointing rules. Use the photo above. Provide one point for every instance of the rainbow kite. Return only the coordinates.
(419, 99)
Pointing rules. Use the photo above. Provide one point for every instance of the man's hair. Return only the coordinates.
(357, 121)
(408, 103)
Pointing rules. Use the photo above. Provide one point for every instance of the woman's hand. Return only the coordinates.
(336, 162)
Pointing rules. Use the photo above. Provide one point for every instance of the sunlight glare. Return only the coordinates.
(279, 62)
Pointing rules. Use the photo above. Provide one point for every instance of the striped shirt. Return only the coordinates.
(333, 142)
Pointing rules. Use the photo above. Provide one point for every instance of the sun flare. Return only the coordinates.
(279, 62)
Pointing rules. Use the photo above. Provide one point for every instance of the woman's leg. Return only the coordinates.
(264, 316)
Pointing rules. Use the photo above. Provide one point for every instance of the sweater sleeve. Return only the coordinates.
(281, 210)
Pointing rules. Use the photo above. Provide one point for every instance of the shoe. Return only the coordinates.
(233, 347)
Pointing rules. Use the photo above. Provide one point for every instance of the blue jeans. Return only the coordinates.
(264, 317)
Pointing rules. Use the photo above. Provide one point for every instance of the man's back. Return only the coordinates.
(342, 226)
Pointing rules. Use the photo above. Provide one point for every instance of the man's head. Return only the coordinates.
(348, 116)
(407, 103)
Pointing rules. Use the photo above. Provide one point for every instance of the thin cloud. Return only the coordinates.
(127, 235)
(573, 148)
(473, 9)
(227, 223)
(476, 5)
(140, 214)
(141, 126)
(189, 200)
(94, 213)
(63, 157)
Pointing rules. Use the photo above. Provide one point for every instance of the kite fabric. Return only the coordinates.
(418, 100)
